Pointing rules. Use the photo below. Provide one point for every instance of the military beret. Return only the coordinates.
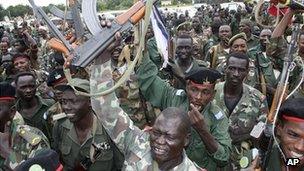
(292, 109)
(7, 91)
(55, 77)
(47, 160)
(21, 55)
(237, 36)
(203, 75)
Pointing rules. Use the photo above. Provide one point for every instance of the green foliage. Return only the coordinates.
(113, 4)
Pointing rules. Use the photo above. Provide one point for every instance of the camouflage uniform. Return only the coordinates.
(277, 49)
(132, 141)
(67, 144)
(217, 57)
(131, 101)
(162, 95)
(27, 142)
(251, 109)
(213, 40)
(265, 65)
(252, 41)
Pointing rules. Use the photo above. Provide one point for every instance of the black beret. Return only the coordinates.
(55, 77)
(47, 160)
(201, 75)
(292, 107)
(7, 91)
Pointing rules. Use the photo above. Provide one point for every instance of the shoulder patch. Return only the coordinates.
(219, 115)
(179, 92)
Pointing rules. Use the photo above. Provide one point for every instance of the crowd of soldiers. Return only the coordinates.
(207, 110)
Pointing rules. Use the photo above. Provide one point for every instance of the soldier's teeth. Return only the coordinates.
(296, 155)
(159, 150)
(70, 115)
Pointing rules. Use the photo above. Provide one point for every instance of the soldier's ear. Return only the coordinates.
(279, 129)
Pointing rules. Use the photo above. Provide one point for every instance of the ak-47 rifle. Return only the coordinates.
(91, 49)
(281, 90)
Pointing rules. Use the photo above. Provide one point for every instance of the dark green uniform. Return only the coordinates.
(162, 95)
(39, 118)
(72, 153)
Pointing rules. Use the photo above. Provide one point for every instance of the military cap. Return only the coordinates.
(56, 77)
(7, 91)
(21, 55)
(47, 160)
(78, 83)
(203, 75)
(237, 36)
(292, 110)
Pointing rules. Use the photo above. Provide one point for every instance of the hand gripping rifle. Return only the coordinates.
(85, 53)
(281, 90)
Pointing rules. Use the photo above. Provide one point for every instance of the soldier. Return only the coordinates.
(246, 27)
(244, 106)
(184, 62)
(197, 32)
(31, 106)
(264, 67)
(79, 139)
(214, 39)
(277, 50)
(210, 146)
(218, 53)
(162, 148)
(290, 136)
(17, 142)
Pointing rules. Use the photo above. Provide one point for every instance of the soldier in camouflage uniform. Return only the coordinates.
(79, 138)
(129, 94)
(244, 106)
(159, 149)
(17, 142)
(265, 77)
(200, 93)
(214, 39)
(246, 27)
(218, 53)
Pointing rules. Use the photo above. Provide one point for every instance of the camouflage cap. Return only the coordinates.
(237, 36)
(203, 75)
(78, 83)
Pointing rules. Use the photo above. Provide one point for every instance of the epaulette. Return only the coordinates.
(24, 131)
(59, 116)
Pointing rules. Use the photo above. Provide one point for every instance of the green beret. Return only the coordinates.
(237, 36)
(202, 75)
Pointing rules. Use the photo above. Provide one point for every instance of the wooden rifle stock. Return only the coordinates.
(123, 18)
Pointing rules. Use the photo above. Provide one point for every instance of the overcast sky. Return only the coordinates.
(6, 3)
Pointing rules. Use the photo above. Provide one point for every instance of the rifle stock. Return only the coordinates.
(123, 18)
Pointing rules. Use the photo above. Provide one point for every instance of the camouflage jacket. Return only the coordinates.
(132, 141)
(251, 109)
(26, 143)
(217, 57)
(252, 41)
(277, 49)
(160, 94)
